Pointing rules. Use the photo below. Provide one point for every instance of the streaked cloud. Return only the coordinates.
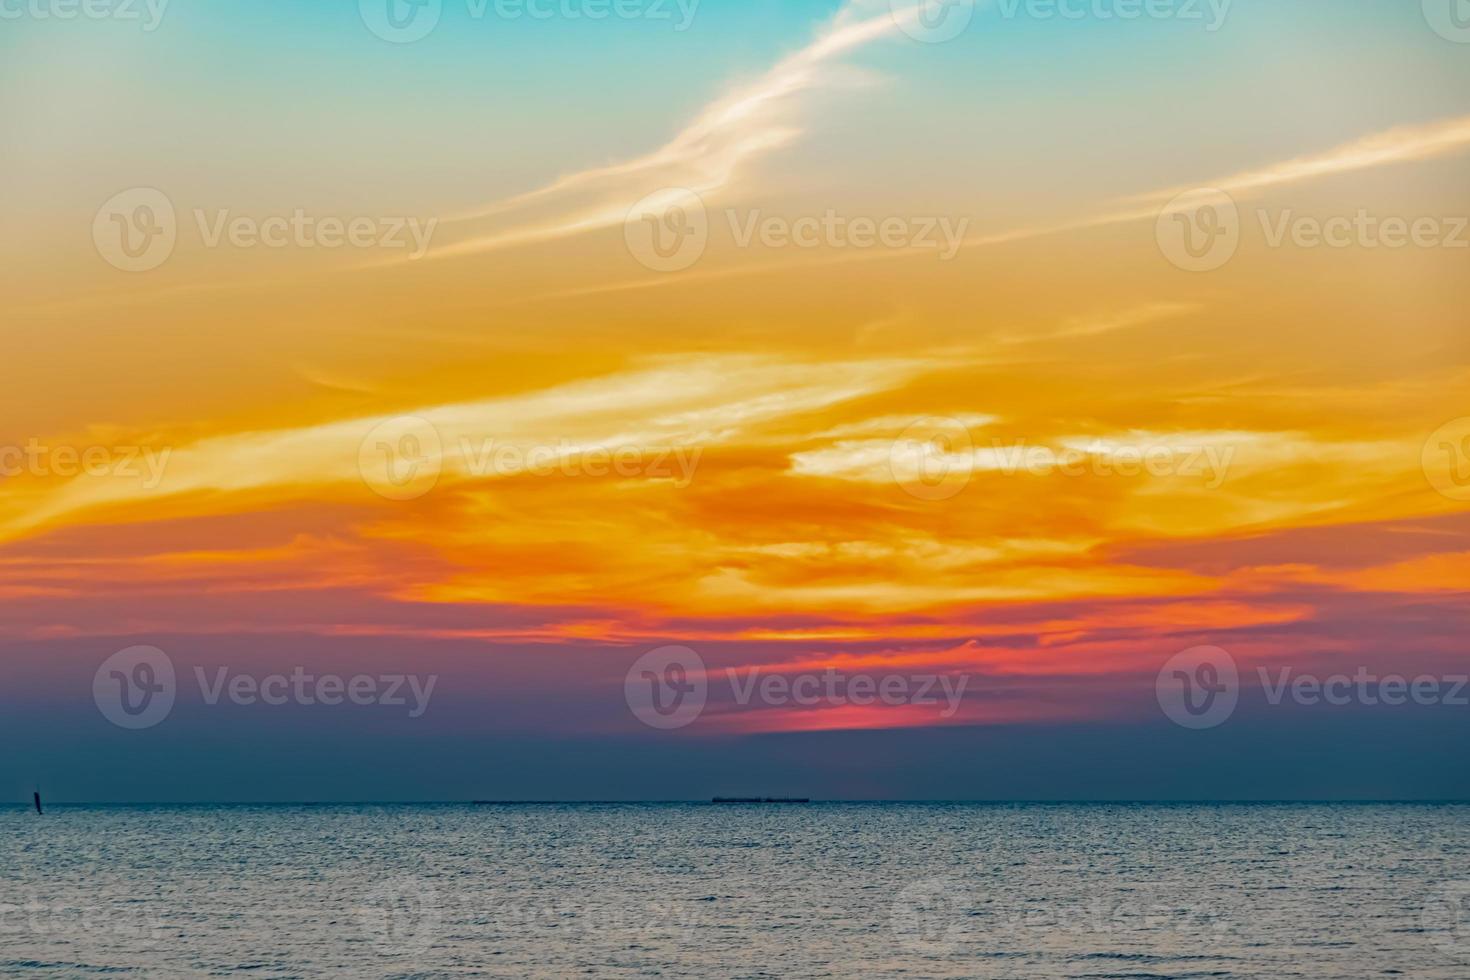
(1402, 144)
(704, 157)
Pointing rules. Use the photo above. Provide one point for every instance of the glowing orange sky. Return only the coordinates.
(771, 409)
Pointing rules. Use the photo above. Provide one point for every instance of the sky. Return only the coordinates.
(592, 378)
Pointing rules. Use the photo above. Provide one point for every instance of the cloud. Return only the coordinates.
(680, 402)
(1402, 144)
(1096, 326)
(705, 157)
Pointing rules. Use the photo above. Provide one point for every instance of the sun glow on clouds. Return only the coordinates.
(1142, 460)
(691, 403)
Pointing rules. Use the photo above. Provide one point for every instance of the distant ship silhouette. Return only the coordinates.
(37, 797)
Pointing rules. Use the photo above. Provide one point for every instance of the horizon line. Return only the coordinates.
(1366, 801)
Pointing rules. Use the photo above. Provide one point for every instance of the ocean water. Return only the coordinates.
(826, 890)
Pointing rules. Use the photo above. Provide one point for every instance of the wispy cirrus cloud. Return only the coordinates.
(688, 402)
(1402, 144)
(1399, 145)
(705, 156)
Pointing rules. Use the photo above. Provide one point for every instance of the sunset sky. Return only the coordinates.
(1043, 452)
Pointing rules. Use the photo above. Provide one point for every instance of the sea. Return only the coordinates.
(841, 890)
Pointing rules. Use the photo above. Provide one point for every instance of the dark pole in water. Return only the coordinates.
(37, 795)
